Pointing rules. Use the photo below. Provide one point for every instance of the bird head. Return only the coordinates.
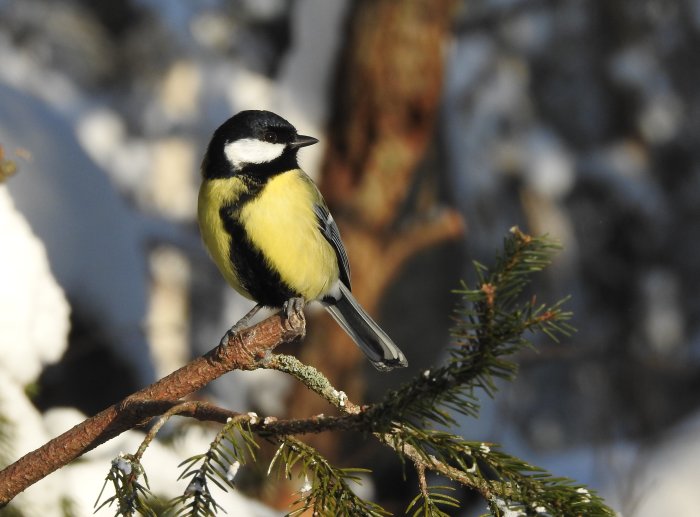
(254, 141)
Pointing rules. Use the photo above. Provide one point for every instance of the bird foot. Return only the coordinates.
(294, 309)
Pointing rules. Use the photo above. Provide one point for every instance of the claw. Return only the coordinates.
(293, 310)
(293, 307)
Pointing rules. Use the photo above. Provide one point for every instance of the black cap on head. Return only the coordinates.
(254, 124)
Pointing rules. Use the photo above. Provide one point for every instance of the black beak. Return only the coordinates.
(302, 141)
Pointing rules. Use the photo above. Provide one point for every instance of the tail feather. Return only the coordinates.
(372, 340)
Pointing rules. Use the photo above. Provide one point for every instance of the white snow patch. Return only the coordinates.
(33, 309)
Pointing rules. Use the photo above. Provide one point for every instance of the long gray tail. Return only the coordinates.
(372, 340)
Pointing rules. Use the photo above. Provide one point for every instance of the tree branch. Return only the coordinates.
(245, 351)
(265, 427)
(314, 380)
(359, 417)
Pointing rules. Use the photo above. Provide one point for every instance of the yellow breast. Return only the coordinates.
(282, 224)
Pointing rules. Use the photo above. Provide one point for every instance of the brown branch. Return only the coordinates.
(262, 426)
(315, 424)
(178, 408)
(245, 351)
(484, 487)
(248, 350)
(422, 482)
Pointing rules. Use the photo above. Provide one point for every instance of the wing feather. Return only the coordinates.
(327, 226)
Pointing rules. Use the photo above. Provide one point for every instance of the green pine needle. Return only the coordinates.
(232, 447)
(130, 496)
(326, 489)
(491, 323)
(428, 503)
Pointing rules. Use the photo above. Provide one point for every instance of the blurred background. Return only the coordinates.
(442, 123)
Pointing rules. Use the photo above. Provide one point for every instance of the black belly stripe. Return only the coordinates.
(263, 283)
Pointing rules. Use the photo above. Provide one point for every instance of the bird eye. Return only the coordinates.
(271, 137)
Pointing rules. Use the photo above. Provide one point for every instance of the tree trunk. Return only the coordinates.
(384, 105)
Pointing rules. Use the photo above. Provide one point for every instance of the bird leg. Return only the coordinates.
(240, 325)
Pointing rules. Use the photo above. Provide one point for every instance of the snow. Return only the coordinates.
(306, 487)
(33, 308)
(663, 479)
(232, 471)
(506, 510)
(93, 239)
(548, 165)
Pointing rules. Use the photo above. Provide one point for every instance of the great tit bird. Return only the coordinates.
(270, 233)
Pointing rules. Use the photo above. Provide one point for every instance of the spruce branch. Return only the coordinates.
(130, 496)
(326, 489)
(496, 475)
(491, 324)
(232, 447)
(429, 498)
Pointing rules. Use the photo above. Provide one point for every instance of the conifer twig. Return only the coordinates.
(312, 379)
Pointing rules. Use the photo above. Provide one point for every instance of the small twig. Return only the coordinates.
(422, 482)
(315, 424)
(153, 431)
(312, 379)
(263, 426)
(432, 463)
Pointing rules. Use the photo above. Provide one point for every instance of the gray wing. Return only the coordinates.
(330, 231)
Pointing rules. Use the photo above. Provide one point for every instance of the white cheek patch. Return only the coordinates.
(251, 150)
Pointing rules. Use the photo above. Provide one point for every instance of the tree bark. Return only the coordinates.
(384, 105)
